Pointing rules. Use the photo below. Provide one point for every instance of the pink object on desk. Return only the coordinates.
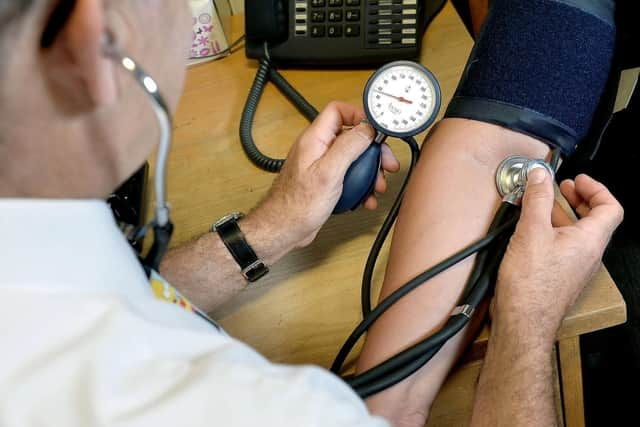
(208, 35)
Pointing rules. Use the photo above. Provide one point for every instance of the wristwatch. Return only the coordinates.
(252, 267)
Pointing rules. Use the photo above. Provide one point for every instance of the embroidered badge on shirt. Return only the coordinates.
(163, 291)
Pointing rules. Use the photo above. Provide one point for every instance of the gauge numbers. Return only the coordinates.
(402, 99)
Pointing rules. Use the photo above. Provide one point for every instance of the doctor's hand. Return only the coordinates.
(309, 186)
(550, 257)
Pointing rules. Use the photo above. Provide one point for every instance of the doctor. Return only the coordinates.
(87, 341)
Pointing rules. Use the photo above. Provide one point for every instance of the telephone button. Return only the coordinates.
(317, 3)
(317, 31)
(335, 3)
(317, 16)
(353, 2)
(352, 15)
(352, 30)
(335, 16)
(334, 31)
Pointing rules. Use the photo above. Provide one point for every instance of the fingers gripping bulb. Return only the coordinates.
(512, 175)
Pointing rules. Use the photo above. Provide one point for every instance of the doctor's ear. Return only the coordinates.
(73, 50)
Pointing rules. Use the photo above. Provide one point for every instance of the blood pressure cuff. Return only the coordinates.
(539, 67)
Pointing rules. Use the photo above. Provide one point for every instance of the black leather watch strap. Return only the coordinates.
(252, 267)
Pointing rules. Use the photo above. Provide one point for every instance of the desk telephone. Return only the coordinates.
(337, 32)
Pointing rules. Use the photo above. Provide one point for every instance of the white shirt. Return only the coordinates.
(85, 342)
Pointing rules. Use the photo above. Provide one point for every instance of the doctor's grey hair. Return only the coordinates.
(11, 10)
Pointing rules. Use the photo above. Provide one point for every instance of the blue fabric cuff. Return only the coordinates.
(539, 67)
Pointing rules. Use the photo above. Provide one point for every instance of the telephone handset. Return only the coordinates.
(337, 32)
(266, 20)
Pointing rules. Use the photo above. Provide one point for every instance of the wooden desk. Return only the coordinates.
(306, 307)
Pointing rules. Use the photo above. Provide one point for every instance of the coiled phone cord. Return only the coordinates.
(266, 72)
(489, 250)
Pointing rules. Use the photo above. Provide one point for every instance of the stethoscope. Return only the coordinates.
(161, 224)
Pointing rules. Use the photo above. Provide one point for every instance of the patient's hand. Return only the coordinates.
(550, 258)
(310, 184)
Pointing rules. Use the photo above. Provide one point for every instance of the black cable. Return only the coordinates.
(365, 292)
(161, 238)
(265, 74)
(397, 369)
(299, 101)
(410, 286)
(246, 122)
(384, 382)
(503, 215)
(233, 45)
(410, 360)
(404, 364)
(495, 231)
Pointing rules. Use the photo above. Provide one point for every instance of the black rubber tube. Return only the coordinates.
(367, 275)
(379, 384)
(416, 351)
(409, 287)
(410, 360)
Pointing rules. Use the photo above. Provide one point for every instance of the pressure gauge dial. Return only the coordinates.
(402, 99)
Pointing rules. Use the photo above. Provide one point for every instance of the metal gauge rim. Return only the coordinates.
(437, 98)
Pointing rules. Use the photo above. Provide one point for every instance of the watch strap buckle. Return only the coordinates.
(255, 271)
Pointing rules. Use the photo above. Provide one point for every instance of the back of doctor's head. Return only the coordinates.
(10, 10)
(73, 124)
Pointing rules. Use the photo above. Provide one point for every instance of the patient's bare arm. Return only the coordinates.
(448, 205)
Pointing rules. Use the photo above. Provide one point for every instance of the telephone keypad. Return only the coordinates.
(317, 16)
(317, 31)
(352, 15)
(347, 31)
(334, 30)
(352, 30)
(335, 15)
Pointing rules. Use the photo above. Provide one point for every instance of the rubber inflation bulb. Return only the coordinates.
(360, 179)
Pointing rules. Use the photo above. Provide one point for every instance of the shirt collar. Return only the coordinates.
(64, 243)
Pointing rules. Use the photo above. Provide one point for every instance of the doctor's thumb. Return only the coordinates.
(348, 146)
(538, 200)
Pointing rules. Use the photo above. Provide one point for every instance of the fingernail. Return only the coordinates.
(537, 176)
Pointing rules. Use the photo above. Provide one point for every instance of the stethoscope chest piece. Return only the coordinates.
(512, 173)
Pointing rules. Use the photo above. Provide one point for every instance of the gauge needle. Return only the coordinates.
(399, 98)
